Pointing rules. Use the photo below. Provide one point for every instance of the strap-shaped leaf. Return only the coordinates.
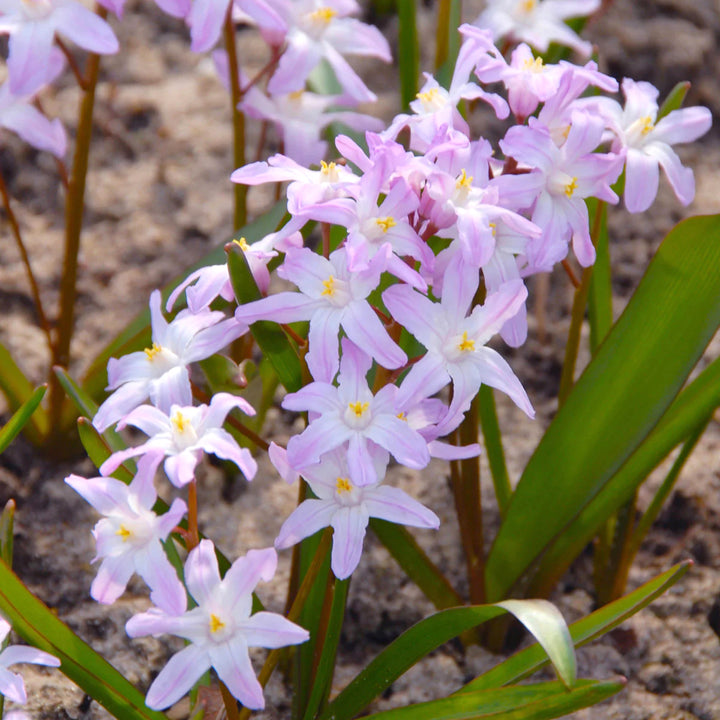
(17, 422)
(617, 401)
(37, 625)
(408, 51)
(539, 616)
(526, 662)
(17, 389)
(525, 702)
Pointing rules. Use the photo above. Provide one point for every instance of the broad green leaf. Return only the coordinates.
(692, 406)
(136, 335)
(20, 418)
(17, 389)
(494, 448)
(541, 701)
(617, 401)
(600, 622)
(7, 523)
(39, 627)
(275, 345)
(428, 634)
(447, 39)
(417, 565)
(408, 52)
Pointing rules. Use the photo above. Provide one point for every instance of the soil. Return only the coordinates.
(159, 199)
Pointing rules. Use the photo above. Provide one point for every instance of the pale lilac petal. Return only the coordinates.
(167, 592)
(169, 520)
(296, 63)
(202, 575)
(349, 525)
(459, 287)
(284, 307)
(270, 630)
(354, 367)
(232, 664)
(445, 451)
(176, 8)
(30, 50)
(85, 28)
(178, 677)
(419, 315)
(249, 570)
(103, 493)
(12, 686)
(34, 128)
(396, 506)
(360, 464)
(171, 388)
(212, 339)
(317, 397)
(404, 444)
(366, 330)
(112, 579)
(681, 178)
(148, 419)
(347, 77)
(496, 372)
(426, 377)
(26, 654)
(221, 443)
(309, 517)
(681, 126)
(278, 457)
(323, 355)
(321, 436)
(206, 18)
(642, 178)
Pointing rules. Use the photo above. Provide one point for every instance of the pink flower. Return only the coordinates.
(331, 297)
(220, 629)
(183, 436)
(160, 372)
(32, 25)
(351, 414)
(347, 507)
(130, 534)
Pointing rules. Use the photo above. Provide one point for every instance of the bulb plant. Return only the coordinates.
(408, 246)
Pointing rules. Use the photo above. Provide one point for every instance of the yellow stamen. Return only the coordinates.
(151, 352)
(180, 422)
(326, 168)
(215, 623)
(323, 15)
(386, 223)
(493, 228)
(296, 95)
(402, 416)
(566, 131)
(463, 180)
(647, 125)
(466, 345)
(343, 485)
(534, 66)
(243, 243)
(329, 285)
(571, 187)
(527, 6)
(359, 407)
(124, 533)
(429, 96)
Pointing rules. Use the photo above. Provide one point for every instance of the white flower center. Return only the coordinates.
(433, 99)
(336, 292)
(184, 433)
(161, 359)
(358, 415)
(560, 183)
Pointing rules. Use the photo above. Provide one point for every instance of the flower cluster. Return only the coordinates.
(439, 232)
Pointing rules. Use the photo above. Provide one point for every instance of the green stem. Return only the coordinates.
(238, 121)
(494, 448)
(74, 205)
(465, 476)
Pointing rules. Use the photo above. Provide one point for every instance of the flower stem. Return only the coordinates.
(238, 120)
(465, 477)
(74, 204)
(193, 534)
(34, 289)
(294, 612)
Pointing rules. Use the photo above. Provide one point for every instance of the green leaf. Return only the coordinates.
(408, 51)
(18, 390)
(600, 310)
(433, 631)
(7, 523)
(136, 335)
(494, 448)
(691, 407)
(272, 340)
(21, 417)
(674, 100)
(541, 701)
(528, 661)
(615, 404)
(417, 565)
(37, 625)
